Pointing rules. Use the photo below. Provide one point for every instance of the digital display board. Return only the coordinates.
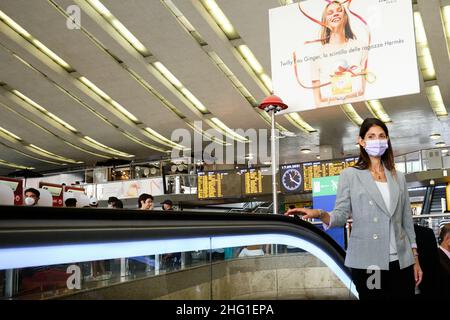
(254, 182)
(309, 170)
(218, 184)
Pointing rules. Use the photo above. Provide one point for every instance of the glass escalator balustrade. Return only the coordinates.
(265, 266)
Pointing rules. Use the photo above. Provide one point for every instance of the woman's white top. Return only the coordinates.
(384, 190)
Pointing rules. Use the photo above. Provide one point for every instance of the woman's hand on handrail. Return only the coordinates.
(304, 212)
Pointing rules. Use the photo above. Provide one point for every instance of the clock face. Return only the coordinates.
(292, 179)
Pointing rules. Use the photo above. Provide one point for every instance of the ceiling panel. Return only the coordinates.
(412, 117)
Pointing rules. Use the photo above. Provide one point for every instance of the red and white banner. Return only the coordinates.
(56, 190)
(17, 187)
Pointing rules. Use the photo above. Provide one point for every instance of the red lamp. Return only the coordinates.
(272, 102)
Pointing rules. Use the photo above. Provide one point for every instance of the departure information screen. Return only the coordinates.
(218, 184)
(316, 169)
(255, 182)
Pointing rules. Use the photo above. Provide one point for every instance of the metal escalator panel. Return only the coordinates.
(51, 253)
(436, 202)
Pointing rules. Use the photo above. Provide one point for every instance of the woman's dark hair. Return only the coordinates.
(387, 158)
(112, 199)
(143, 197)
(115, 202)
(71, 202)
(118, 204)
(325, 31)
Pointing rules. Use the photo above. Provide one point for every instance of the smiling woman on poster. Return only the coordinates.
(339, 68)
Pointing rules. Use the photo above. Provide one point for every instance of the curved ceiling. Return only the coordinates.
(88, 93)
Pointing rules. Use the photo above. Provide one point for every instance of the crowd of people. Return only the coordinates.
(145, 201)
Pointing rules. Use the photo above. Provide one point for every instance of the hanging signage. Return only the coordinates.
(17, 187)
(56, 190)
(74, 190)
(327, 53)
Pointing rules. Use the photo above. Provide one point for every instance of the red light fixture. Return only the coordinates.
(272, 102)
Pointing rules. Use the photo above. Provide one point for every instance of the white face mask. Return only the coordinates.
(110, 206)
(29, 201)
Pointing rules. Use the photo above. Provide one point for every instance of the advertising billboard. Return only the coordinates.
(326, 53)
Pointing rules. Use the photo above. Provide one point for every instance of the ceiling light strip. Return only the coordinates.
(113, 32)
(162, 69)
(207, 135)
(83, 104)
(7, 135)
(50, 155)
(30, 156)
(217, 124)
(247, 55)
(51, 133)
(72, 130)
(351, 113)
(44, 111)
(298, 121)
(13, 165)
(27, 36)
(141, 81)
(221, 19)
(435, 99)
(155, 93)
(423, 50)
(143, 143)
(217, 60)
(108, 99)
(114, 104)
(186, 96)
(376, 108)
(242, 50)
(106, 148)
(165, 72)
(120, 28)
(445, 13)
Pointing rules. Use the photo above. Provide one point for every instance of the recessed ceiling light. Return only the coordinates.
(318, 157)
(444, 151)
(305, 150)
(435, 136)
(440, 144)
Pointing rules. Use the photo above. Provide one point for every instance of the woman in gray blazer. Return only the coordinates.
(382, 246)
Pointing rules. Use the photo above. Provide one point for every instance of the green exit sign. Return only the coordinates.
(326, 186)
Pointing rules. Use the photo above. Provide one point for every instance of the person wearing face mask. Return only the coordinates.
(382, 250)
(31, 197)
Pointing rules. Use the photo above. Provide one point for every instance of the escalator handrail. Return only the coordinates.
(22, 226)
